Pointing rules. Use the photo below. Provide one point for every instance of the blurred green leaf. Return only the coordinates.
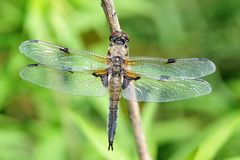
(14, 144)
(97, 138)
(217, 137)
(233, 158)
(192, 155)
(50, 147)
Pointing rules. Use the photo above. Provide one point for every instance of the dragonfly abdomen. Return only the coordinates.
(112, 122)
(114, 90)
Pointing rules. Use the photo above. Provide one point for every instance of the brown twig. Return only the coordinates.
(135, 117)
(111, 15)
(133, 107)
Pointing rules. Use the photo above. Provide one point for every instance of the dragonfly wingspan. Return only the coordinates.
(174, 69)
(151, 90)
(62, 58)
(76, 83)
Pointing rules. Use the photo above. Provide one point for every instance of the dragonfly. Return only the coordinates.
(87, 73)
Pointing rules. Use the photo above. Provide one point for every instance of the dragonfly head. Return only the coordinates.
(118, 45)
(118, 38)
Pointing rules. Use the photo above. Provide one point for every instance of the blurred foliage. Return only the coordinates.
(38, 124)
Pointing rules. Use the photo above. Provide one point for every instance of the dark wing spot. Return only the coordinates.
(70, 71)
(104, 78)
(95, 75)
(32, 65)
(203, 59)
(127, 80)
(171, 60)
(63, 49)
(164, 78)
(125, 83)
(137, 78)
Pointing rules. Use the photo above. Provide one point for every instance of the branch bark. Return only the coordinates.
(111, 15)
(133, 107)
(135, 117)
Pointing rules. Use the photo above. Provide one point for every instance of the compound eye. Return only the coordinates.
(125, 37)
(119, 37)
(127, 40)
(112, 37)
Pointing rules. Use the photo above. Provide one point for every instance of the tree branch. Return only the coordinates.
(135, 117)
(133, 107)
(111, 15)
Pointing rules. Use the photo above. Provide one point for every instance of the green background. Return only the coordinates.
(39, 124)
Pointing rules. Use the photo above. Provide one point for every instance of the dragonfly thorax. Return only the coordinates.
(117, 60)
(116, 65)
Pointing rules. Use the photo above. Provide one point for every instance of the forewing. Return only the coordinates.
(173, 69)
(150, 90)
(62, 58)
(76, 83)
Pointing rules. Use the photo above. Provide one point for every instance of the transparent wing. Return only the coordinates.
(77, 83)
(174, 69)
(150, 90)
(62, 58)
